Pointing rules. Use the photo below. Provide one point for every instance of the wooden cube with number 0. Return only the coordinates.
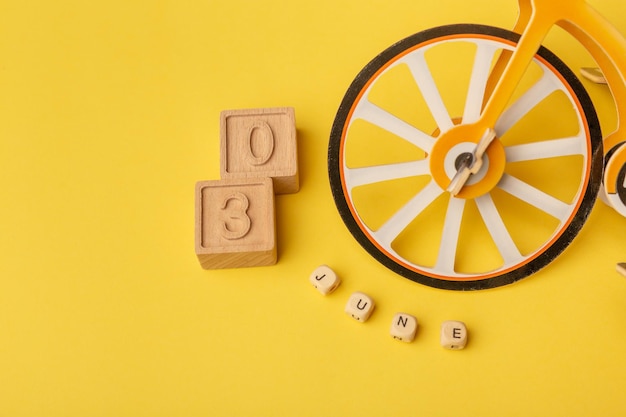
(235, 223)
(260, 143)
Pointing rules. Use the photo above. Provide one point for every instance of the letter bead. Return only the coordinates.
(403, 327)
(324, 279)
(453, 335)
(360, 306)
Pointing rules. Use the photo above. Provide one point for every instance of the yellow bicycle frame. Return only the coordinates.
(605, 44)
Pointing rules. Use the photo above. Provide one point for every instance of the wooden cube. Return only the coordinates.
(260, 143)
(235, 223)
(403, 327)
(453, 335)
(360, 306)
(324, 279)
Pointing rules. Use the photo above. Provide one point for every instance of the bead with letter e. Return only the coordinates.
(453, 335)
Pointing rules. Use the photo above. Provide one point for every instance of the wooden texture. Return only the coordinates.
(324, 279)
(403, 327)
(235, 223)
(260, 143)
(453, 335)
(360, 306)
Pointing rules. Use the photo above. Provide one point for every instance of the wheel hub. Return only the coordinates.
(454, 149)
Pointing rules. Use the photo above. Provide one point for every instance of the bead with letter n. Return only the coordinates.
(403, 327)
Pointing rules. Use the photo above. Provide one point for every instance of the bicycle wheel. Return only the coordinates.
(392, 155)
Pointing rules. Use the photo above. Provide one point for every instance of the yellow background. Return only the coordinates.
(109, 114)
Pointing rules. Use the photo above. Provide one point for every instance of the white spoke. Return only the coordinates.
(497, 229)
(531, 98)
(547, 149)
(424, 79)
(478, 82)
(535, 197)
(450, 236)
(403, 217)
(369, 175)
(372, 113)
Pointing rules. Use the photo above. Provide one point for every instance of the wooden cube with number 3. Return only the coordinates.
(235, 223)
(260, 143)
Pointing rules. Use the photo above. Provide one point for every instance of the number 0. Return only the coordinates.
(260, 130)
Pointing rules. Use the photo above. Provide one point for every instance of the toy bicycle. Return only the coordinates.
(467, 157)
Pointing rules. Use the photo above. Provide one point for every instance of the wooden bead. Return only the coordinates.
(260, 143)
(453, 335)
(324, 279)
(235, 223)
(360, 306)
(403, 327)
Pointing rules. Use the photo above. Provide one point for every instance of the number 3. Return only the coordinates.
(236, 215)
